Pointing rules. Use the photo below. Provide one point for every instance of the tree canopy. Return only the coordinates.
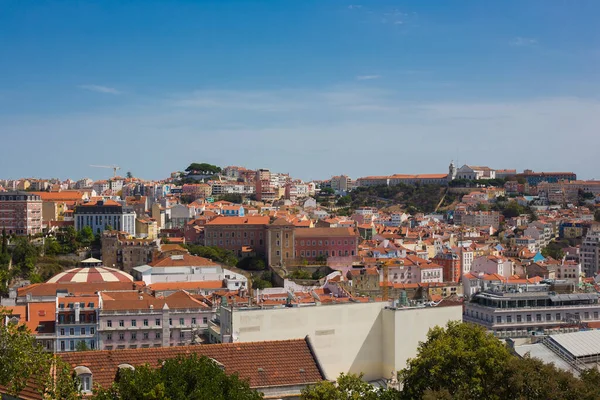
(463, 361)
(347, 387)
(203, 168)
(23, 362)
(179, 378)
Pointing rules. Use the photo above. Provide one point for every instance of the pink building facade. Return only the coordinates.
(21, 213)
(311, 243)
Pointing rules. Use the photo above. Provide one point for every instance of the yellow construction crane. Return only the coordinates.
(113, 167)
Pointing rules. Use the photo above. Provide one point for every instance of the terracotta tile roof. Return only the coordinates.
(171, 247)
(49, 289)
(239, 221)
(61, 196)
(263, 364)
(184, 260)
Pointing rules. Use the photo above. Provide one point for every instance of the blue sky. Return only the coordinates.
(310, 87)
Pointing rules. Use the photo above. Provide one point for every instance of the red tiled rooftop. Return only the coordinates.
(263, 364)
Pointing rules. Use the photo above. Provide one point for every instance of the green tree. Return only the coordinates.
(24, 256)
(203, 168)
(85, 237)
(52, 247)
(347, 387)
(128, 175)
(252, 264)
(462, 358)
(344, 201)
(182, 377)
(23, 363)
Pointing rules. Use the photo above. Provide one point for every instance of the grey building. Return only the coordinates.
(589, 254)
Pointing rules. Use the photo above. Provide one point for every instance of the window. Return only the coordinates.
(133, 322)
(595, 314)
(586, 315)
(71, 331)
(109, 337)
(157, 322)
(157, 335)
(72, 345)
(181, 321)
(194, 321)
(204, 320)
(83, 331)
(509, 319)
(145, 322)
(557, 316)
(133, 335)
(62, 331)
(62, 345)
(146, 335)
(170, 321)
(548, 317)
(181, 335)
(538, 317)
(499, 319)
(121, 322)
(528, 317)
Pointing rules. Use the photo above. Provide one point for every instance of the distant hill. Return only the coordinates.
(411, 198)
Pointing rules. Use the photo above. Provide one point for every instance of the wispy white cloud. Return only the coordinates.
(367, 77)
(523, 41)
(354, 6)
(100, 89)
(287, 124)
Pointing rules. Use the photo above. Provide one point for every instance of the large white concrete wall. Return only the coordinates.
(349, 338)
(346, 337)
(403, 329)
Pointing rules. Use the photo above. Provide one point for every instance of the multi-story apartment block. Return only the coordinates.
(99, 215)
(77, 323)
(477, 218)
(589, 254)
(132, 319)
(534, 309)
(21, 213)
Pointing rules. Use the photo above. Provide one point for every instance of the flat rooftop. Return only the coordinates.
(579, 344)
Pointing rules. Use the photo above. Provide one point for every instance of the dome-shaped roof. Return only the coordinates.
(91, 275)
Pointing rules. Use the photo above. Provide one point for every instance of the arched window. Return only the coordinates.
(84, 375)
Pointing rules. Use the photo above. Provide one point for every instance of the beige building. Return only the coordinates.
(146, 228)
(369, 338)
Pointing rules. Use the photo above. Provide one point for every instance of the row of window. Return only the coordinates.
(308, 253)
(63, 345)
(82, 331)
(233, 242)
(157, 322)
(145, 335)
(528, 317)
(233, 234)
(327, 242)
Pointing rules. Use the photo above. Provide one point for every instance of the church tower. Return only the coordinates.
(452, 171)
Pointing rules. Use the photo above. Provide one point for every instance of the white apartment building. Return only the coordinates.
(534, 309)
